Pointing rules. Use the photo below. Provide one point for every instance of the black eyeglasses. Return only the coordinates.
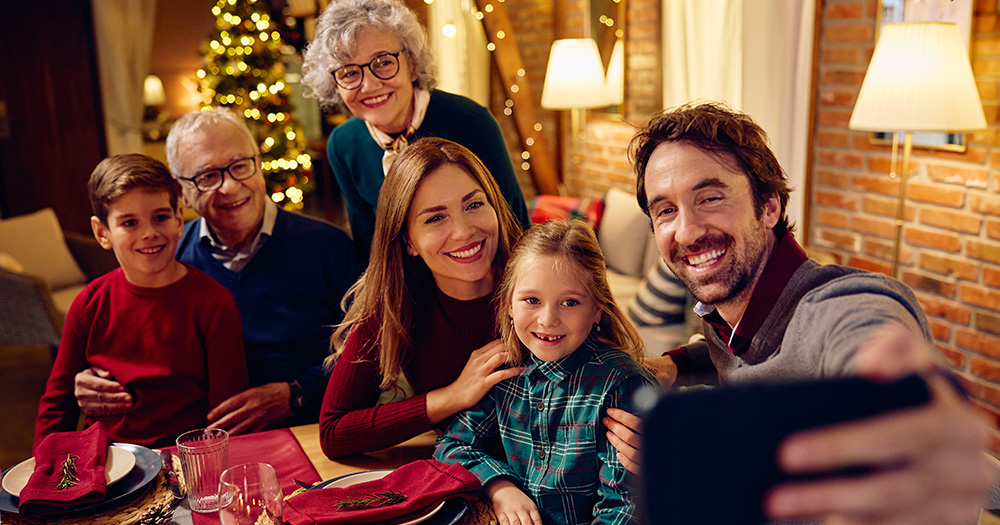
(240, 169)
(384, 67)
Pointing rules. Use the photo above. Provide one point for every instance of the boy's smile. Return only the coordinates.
(143, 230)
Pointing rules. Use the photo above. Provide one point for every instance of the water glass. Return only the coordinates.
(204, 455)
(250, 494)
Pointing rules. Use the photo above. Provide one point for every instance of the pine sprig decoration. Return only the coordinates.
(378, 499)
(67, 473)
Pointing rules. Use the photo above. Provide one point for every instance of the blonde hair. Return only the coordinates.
(575, 242)
(386, 292)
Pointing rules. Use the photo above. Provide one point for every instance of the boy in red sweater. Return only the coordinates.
(162, 328)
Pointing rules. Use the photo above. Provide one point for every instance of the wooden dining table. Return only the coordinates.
(419, 447)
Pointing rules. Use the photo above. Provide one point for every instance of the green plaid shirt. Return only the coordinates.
(547, 421)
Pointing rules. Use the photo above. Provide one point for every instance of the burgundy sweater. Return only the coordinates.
(178, 350)
(445, 333)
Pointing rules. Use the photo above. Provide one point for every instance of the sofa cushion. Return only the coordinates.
(62, 299)
(623, 288)
(36, 241)
(624, 233)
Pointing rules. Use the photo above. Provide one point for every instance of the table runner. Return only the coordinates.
(277, 447)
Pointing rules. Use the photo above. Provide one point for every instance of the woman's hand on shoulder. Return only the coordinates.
(477, 378)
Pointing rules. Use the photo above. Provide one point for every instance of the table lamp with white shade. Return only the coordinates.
(919, 79)
(574, 79)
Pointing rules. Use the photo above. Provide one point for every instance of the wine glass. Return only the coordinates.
(250, 494)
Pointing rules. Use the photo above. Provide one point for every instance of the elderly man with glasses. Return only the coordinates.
(288, 273)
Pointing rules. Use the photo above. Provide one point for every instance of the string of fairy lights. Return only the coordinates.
(244, 70)
(508, 110)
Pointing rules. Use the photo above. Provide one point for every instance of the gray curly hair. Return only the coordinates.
(334, 44)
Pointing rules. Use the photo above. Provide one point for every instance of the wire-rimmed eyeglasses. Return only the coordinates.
(384, 67)
(239, 169)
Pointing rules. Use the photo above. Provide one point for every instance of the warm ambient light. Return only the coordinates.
(615, 80)
(152, 91)
(574, 77)
(919, 79)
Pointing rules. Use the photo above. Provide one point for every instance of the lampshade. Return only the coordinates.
(152, 91)
(574, 77)
(615, 80)
(919, 79)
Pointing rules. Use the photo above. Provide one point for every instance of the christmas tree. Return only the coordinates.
(245, 60)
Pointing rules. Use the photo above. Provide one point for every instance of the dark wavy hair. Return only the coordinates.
(729, 135)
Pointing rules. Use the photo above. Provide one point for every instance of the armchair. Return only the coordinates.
(42, 270)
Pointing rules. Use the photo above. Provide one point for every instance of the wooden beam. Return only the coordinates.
(507, 58)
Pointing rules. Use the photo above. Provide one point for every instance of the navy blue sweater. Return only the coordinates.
(289, 297)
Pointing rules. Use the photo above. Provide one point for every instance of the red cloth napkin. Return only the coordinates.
(425, 483)
(89, 449)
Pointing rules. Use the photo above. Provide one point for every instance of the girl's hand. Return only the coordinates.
(511, 506)
(477, 378)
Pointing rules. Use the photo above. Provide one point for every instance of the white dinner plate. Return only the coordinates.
(120, 463)
(361, 477)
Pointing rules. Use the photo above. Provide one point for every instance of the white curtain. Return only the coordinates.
(124, 34)
(459, 48)
(757, 56)
(702, 46)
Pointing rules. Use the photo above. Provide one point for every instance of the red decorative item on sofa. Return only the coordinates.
(554, 207)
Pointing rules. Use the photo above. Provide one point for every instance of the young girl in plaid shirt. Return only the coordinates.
(558, 319)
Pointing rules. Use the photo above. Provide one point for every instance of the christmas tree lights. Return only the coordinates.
(244, 68)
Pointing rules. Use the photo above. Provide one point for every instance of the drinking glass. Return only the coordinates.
(204, 455)
(250, 494)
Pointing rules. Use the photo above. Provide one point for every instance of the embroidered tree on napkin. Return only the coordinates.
(422, 485)
(69, 471)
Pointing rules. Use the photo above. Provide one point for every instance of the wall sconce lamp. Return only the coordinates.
(152, 96)
(615, 81)
(919, 79)
(574, 80)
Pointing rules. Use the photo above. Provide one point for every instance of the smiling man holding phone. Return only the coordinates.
(716, 197)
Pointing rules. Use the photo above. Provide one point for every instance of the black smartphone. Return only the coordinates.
(708, 456)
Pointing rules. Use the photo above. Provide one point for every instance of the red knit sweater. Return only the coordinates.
(446, 332)
(178, 350)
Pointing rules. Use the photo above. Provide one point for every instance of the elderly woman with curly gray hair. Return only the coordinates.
(372, 57)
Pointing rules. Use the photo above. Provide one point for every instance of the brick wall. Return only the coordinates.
(598, 162)
(951, 236)
(951, 251)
